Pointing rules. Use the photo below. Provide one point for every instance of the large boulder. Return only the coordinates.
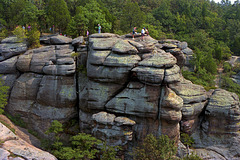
(159, 60)
(55, 39)
(108, 74)
(60, 40)
(123, 47)
(8, 50)
(102, 43)
(103, 35)
(8, 66)
(13, 146)
(179, 55)
(150, 75)
(222, 113)
(78, 41)
(11, 39)
(170, 113)
(51, 60)
(116, 131)
(38, 99)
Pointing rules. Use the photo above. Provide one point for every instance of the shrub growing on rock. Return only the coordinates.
(3, 96)
(33, 38)
(19, 33)
(83, 146)
(153, 148)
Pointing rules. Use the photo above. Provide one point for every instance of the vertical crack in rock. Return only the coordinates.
(76, 76)
(161, 96)
(204, 110)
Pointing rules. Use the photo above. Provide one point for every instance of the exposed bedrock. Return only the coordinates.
(13, 147)
(220, 126)
(43, 85)
(194, 99)
(40, 98)
(121, 89)
(129, 79)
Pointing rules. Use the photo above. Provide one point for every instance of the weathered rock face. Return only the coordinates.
(55, 40)
(219, 129)
(126, 89)
(129, 78)
(194, 98)
(222, 114)
(114, 130)
(42, 84)
(51, 60)
(12, 146)
(10, 47)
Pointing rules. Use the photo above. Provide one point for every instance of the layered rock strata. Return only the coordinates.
(42, 83)
(12, 147)
(121, 89)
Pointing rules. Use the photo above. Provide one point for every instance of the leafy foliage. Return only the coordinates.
(160, 148)
(19, 33)
(109, 152)
(228, 84)
(227, 67)
(33, 38)
(201, 77)
(83, 146)
(192, 157)
(58, 14)
(3, 96)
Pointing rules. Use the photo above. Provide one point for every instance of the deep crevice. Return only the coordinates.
(161, 96)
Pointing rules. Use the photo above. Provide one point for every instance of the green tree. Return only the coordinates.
(236, 46)
(83, 146)
(88, 17)
(58, 14)
(161, 148)
(33, 37)
(132, 16)
(19, 33)
(3, 96)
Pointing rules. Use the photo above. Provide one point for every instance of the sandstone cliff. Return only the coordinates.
(131, 88)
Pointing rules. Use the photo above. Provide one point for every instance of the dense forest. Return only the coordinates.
(211, 29)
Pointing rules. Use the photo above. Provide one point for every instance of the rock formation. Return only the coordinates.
(121, 90)
(14, 148)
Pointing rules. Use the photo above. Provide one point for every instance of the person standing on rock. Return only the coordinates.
(99, 28)
(87, 33)
(146, 31)
(134, 31)
(142, 33)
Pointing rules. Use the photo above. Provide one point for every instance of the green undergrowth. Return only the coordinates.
(201, 78)
(82, 69)
(83, 146)
(161, 148)
(16, 120)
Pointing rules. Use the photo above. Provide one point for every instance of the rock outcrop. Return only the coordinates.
(121, 90)
(12, 147)
(43, 84)
(139, 80)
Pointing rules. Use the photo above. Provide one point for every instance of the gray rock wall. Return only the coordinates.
(120, 89)
(42, 82)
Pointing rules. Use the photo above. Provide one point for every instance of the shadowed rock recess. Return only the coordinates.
(121, 90)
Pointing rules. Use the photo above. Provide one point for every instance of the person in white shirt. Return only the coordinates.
(143, 32)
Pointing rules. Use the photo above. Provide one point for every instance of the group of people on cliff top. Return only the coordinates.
(143, 32)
